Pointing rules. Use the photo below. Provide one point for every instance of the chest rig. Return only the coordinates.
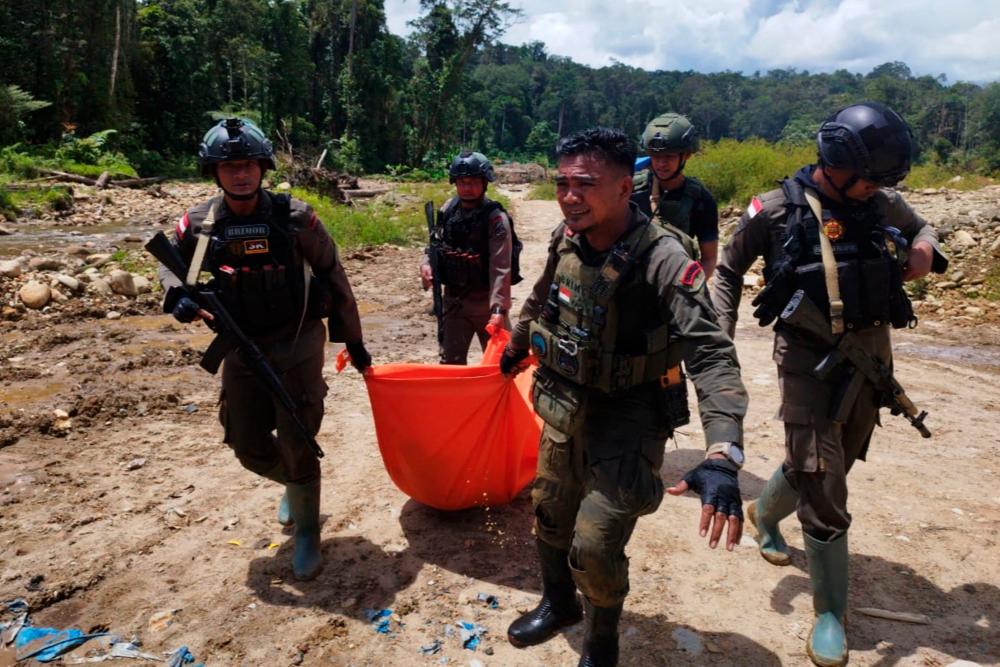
(465, 251)
(596, 328)
(253, 263)
(869, 258)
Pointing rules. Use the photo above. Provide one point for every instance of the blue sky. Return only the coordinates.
(958, 38)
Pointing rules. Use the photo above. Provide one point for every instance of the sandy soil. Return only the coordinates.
(135, 508)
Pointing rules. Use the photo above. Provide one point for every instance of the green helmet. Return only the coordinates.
(670, 133)
(468, 163)
(234, 139)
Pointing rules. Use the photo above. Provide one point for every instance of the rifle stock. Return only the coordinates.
(803, 315)
(228, 335)
(434, 256)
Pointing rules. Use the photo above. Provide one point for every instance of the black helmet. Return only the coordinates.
(234, 139)
(468, 163)
(670, 133)
(868, 138)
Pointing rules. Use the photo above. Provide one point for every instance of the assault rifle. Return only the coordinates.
(228, 336)
(803, 315)
(434, 256)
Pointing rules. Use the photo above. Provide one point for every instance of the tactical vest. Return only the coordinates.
(255, 269)
(464, 263)
(869, 256)
(597, 329)
(672, 214)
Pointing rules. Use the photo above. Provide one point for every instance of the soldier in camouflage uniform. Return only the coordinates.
(475, 260)
(864, 149)
(618, 306)
(680, 203)
(266, 253)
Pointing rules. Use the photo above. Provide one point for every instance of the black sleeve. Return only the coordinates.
(705, 219)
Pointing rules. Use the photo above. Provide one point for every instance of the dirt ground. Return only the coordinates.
(128, 513)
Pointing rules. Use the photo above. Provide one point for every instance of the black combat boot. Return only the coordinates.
(600, 643)
(558, 607)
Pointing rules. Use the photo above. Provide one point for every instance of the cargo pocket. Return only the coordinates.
(560, 404)
(801, 446)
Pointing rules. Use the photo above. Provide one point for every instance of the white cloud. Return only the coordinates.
(957, 38)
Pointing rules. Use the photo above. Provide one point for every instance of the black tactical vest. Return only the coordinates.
(464, 262)
(869, 257)
(255, 269)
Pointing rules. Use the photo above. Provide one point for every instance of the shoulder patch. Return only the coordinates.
(182, 227)
(693, 276)
(755, 207)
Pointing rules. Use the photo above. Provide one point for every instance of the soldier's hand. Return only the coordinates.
(497, 321)
(717, 482)
(360, 358)
(187, 311)
(426, 276)
(510, 361)
(918, 261)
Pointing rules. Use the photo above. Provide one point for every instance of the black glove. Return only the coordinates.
(360, 358)
(510, 359)
(185, 310)
(716, 482)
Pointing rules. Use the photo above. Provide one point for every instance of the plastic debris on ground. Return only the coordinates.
(117, 649)
(47, 644)
(181, 657)
(381, 620)
(432, 648)
(489, 600)
(471, 634)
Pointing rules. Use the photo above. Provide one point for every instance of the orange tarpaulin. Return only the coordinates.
(456, 436)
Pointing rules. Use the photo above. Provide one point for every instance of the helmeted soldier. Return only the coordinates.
(664, 193)
(276, 270)
(873, 241)
(618, 306)
(476, 261)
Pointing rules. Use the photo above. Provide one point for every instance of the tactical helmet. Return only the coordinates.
(868, 138)
(234, 139)
(468, 163)
(670, 133)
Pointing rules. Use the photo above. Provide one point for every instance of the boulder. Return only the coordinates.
(122, 283)
(100, 286)
(44, 264)
(962, 239)
(35, 295)
(58, 296)
(11, 268)
(69, 282)
(142, 284)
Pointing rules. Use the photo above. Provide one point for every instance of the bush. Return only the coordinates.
(936, 175)
(7, 209)
(735, 171)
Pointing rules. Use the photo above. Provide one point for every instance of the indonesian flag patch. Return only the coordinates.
(754, 208)
(565, 296)
(693, 277)
(181, 227)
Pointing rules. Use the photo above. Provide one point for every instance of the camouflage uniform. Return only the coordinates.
(261, 255)
(595, 479)
(469, 301)
(819, 453)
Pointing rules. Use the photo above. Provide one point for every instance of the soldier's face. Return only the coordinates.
(590, 191)
(862, 190)
(240, 177)
(470, 188)
(665, 164)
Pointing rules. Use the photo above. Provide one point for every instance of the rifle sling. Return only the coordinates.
(829, 266)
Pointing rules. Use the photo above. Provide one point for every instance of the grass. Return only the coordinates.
(544, 190)
(735, 171)
(933, 175)
(134, 261)
(14, 203)
(991, 284)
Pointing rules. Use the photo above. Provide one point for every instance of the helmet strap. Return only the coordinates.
(842, 189)
(675, 172)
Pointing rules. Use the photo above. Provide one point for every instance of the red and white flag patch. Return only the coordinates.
(754, 208)
(182, 226)
(565, 296)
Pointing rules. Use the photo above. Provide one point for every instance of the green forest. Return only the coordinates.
(150, 76)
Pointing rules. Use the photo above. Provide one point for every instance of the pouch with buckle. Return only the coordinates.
(559, 403)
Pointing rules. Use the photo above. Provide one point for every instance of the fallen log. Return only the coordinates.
(102, 180)
(72, 178)
(361, 194)
(138, 182)
(22, 187)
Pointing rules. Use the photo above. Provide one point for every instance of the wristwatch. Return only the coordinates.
(731, 450)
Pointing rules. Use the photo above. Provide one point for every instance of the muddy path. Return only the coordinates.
(125, 511)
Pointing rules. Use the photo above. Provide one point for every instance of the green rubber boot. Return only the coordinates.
(827, 643)
(284, 511)
(303, 501)
(776, 501)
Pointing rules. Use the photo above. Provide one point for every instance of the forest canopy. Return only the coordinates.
(328, 74)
